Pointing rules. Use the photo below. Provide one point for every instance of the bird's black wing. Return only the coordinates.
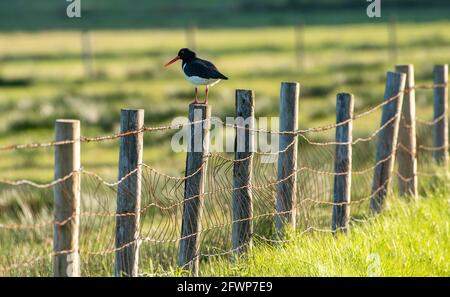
(203, 69)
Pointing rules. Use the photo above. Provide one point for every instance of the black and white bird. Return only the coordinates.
(198, 71)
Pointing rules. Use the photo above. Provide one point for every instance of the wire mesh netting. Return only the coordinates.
(27, 236)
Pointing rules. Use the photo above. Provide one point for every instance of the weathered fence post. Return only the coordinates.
(67, 199)
(287, 158)
(242, 172)
(406, 154)
(387, 138)
(343, 162)
(196, 158)
(129, 193)
(440, 128)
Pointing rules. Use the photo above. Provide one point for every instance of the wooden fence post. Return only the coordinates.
(406, 154)
(66, 260)
(387, 138)
(343, 163)
(196, 158)
(242, 172)
(440, 128)
(129, 193)
(287, 158)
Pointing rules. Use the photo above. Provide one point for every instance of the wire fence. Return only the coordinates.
(28, 246)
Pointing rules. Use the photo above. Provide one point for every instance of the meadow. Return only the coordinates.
(408, 239)
(42, 78)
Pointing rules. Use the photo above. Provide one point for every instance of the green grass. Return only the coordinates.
(408, 239)
(119, 14)
(42, 79)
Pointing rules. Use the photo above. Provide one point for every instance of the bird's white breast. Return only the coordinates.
(199, 81)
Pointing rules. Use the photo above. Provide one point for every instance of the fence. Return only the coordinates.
(148, 222)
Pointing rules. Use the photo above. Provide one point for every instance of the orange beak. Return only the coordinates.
(172, 61)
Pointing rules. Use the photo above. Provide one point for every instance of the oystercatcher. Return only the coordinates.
(198, 71)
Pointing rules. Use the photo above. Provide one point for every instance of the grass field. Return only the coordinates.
(42, 79)
(407, 240)
(143, 14)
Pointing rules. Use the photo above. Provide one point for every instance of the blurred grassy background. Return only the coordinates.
(43, 77)
(121, 14)
(42, 74)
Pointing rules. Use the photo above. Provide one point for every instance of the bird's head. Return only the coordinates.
(184, 54)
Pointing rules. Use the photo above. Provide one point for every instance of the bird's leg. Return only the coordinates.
(206, 93)
(196, 96)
